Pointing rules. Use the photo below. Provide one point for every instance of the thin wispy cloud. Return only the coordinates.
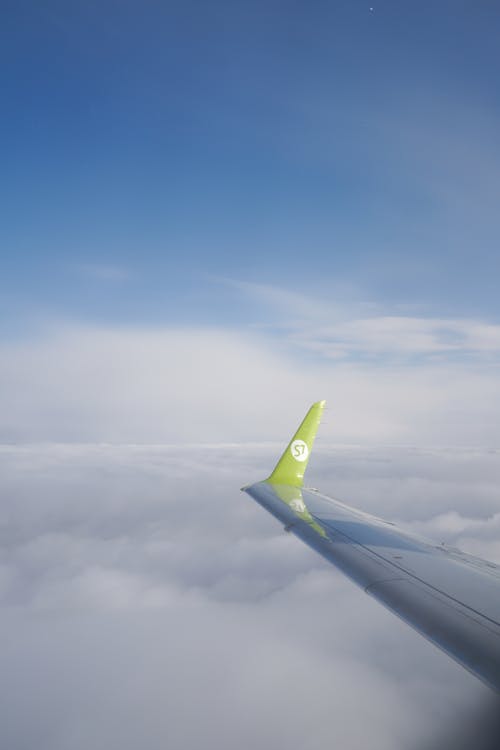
(103, 272)
(361, 330)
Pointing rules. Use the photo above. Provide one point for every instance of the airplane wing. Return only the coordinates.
(451, 598)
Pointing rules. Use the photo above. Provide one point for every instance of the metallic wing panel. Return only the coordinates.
(451, 598)
(445, 596)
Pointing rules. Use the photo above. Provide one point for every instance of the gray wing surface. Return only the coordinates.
(451, 598)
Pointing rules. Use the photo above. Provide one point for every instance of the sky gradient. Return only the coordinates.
(150, 149)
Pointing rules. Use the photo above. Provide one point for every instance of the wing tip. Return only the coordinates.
(291, 467)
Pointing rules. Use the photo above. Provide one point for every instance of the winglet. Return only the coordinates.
(293, 463)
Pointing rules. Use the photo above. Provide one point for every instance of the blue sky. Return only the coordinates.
(151, 151)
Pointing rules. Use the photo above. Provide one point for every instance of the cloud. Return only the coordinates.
(401, 336)
(148, 603)
(352, 330)
(103, 272)
(75, 383)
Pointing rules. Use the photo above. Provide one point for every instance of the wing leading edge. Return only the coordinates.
(451, 598)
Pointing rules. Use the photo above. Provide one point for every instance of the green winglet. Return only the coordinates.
(293, 463)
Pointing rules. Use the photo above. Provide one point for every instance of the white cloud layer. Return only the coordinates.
(146, 603)
(204, 385)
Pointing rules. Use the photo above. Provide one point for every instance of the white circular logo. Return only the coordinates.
(299, 450)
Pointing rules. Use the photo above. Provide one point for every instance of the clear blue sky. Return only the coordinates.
(150, 149)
